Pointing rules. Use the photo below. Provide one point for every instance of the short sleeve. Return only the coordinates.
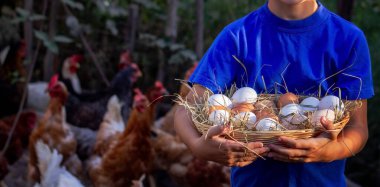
(356, 81)
(218, 69)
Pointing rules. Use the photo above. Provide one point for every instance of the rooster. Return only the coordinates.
(111, 127)
(89, 112)
(54, 131)
(69, 74)
(49, 164)
(131, 155)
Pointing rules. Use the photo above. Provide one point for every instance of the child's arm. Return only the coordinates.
(328, 146)
(212, 147)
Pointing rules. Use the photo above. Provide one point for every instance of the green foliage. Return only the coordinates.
(24, 15)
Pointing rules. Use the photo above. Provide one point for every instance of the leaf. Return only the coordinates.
(111, 26)
(37, 17)
(22, 12)
(41, 35)
(52, 46)
(62, 39)
(18, 20)
(73, 4)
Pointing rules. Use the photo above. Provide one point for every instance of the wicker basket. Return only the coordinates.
(267, 137)
(271, 137)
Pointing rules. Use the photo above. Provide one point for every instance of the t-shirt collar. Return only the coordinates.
(314, 20)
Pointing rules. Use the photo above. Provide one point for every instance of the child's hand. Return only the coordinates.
(212, 147)
(307, 150)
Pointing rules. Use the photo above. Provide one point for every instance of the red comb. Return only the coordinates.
(53, 81)
(125, 57)
(158, 84)
(77, 58)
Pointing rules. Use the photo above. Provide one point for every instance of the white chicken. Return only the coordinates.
(111, 126)
(52, 174)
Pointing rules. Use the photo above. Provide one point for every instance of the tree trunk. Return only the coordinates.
(172, 18)
(49, 57)
(171, 33)
(199, 25)
(345, 8)
(28, 32)
(132, 25)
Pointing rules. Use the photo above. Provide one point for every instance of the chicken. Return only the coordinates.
(20, 137)
(131, 155)
(49, 164)
(89, 112)
(111, 127)
(69, 74)
(54, 131)
(207, 174)
(38, 99)
(12, 80)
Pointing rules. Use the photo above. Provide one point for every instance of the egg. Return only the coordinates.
(244, 95)
(293, 122)
(219, 100)
(290, 109)
(316, 117)
(309, 104)
(219, 117)
(246, 118)
(244, 107)
(264, 108)
(286, 99)
(332, 102)
(268, 124)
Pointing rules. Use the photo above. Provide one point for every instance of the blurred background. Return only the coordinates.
(164, 39)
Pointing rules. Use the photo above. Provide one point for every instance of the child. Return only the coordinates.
(298, 44)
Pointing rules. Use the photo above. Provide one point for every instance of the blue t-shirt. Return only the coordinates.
(322, 49)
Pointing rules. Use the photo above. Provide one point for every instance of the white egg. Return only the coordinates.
(247, 118)
(316, 117)
(219, 117)
(244, 95)
(290, 109)
(310, 104)
(268, 124)
(332, 102)
(219, 100)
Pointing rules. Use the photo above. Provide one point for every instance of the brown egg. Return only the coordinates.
(266, 105)
(287, 98)
(265, 114)
(243, 107)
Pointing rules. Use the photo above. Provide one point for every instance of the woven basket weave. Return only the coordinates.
(266, 137)
(271, 137)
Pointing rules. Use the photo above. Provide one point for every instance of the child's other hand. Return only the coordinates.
(213, 147)
(307, 150)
